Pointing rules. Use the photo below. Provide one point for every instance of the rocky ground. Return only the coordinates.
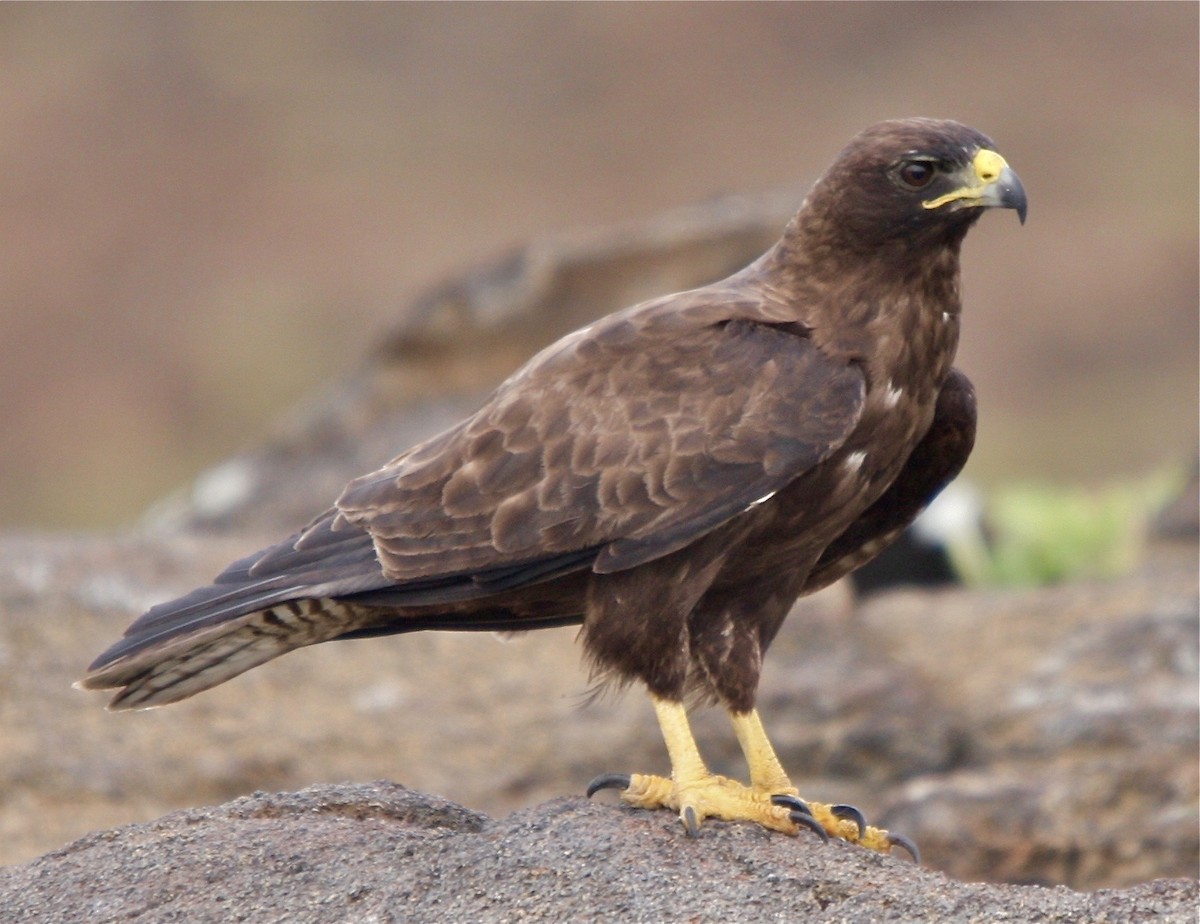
(1029, 738)
(380, 852)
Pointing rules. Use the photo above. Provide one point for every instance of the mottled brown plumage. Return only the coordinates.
(672, 477)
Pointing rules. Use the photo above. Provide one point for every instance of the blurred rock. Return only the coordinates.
(459, 341)
(1179, 519)
(379, 852)
(1044, 735)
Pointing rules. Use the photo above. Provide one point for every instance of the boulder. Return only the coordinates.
(380, 852)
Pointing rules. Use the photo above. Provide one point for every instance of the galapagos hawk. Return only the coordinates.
(671, 478)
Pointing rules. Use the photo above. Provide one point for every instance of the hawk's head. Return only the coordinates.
(915, 181)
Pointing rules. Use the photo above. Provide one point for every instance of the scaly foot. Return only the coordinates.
(715, 796)
(770, 800)
(710, 796)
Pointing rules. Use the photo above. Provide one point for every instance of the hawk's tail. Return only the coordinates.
(155, 672)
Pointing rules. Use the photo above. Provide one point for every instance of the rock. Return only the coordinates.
(1179, 519)
(380, 852)
(457, 342)
(1045, 735)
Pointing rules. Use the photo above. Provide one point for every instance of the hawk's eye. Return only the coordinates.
(917, 174)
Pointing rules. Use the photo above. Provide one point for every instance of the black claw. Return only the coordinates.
(608, 781)
(690, 824)
(806, 820)
(853, 814)
(899, 840)
(792, 802)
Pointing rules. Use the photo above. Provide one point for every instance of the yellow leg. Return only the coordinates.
(692, 790)
(766, 772)
(687, 766)
(770, 800)
(768, 776)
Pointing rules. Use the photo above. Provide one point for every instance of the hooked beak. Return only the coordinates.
(989, 182)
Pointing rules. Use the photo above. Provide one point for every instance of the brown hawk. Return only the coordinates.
(671, 478)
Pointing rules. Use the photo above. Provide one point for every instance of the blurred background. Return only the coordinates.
(209, 210)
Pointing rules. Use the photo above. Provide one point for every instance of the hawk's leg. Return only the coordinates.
(768, 780)
(692, 790)
(695, 793)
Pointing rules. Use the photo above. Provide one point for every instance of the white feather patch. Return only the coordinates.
(761, 500)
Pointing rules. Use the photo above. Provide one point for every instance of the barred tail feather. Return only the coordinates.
(186, 664)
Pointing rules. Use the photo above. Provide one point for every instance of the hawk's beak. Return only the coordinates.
(988, 183)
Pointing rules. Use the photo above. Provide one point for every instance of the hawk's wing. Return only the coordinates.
(934, 463)
(615, 446)
(619, 444)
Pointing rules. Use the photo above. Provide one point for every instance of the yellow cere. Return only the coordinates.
(988, 167)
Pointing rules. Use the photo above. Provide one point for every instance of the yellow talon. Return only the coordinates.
(694, 793)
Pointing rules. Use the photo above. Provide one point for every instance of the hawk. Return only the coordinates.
(671, 478)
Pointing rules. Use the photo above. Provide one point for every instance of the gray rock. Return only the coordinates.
(459, 340)
(380, 852)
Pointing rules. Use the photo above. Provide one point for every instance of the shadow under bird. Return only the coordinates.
(671, 478)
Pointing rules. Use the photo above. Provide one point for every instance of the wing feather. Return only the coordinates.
(616, 446)
(633, 439)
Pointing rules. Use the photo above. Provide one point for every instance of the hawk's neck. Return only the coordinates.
(895, 314)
